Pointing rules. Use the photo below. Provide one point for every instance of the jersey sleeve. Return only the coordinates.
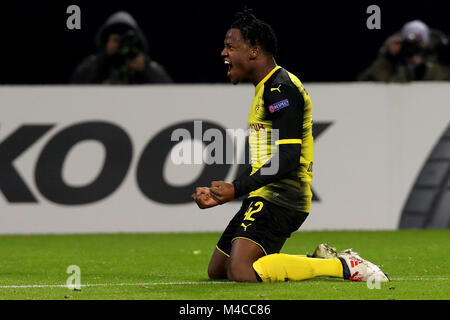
(288, 157)
(284, 106)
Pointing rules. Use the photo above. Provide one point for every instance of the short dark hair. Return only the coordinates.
(256, 31)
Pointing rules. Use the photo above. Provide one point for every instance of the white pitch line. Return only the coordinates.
(113, 284)
(422, 279)
(178, 283)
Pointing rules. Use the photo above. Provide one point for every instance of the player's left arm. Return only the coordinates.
(285, 108)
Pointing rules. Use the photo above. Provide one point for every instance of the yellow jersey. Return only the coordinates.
(281, 113)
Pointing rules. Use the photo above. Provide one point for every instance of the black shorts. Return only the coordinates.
(263, 223)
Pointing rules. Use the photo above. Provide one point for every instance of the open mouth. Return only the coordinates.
(229, 65)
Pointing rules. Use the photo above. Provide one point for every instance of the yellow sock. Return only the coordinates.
(282, 267)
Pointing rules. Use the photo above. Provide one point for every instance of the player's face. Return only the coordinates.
(236, 56)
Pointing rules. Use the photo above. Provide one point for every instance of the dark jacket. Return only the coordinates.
(388, 68)
(102, 68)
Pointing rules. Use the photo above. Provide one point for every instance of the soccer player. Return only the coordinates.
(279, 201)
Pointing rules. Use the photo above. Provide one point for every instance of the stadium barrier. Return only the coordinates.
(98, 159)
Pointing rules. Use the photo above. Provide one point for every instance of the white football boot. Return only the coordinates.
(358, 269)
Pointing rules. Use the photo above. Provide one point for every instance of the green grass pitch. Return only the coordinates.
(173, 266)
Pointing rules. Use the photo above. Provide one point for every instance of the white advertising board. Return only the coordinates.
(97, 159)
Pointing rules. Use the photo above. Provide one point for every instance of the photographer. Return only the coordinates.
(442, 65)
(122, 56)
(410, 55)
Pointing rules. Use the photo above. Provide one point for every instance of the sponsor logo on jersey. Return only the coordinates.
(256, 126)
(279, 105)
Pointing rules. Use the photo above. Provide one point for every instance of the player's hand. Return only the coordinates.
(203, 198)
(222, 191)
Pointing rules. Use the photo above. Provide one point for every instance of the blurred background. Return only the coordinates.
(319, 41)
(94, 152)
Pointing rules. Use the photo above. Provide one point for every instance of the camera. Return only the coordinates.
(130, 45)
(411, 46)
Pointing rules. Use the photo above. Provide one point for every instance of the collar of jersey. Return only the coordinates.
(258, 86)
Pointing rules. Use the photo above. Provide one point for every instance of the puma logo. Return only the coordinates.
(277, 89)
(245, 226)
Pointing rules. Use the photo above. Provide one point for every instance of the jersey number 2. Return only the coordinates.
(252, 209)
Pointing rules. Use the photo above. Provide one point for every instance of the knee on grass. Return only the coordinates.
(216, 274)
(241, 273)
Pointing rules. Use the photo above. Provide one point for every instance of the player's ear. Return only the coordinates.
(254, 52)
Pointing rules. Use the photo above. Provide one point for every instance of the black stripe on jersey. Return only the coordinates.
(284, 104)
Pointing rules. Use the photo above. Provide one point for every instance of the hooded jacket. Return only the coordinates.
(389, 68)
(101, 68)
